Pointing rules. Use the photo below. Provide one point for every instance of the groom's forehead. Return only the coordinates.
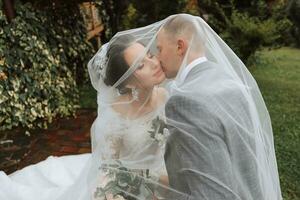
(160, 36)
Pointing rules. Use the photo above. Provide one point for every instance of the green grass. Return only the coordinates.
(278, 76)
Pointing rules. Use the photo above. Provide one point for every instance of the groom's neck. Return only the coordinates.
(194, 56)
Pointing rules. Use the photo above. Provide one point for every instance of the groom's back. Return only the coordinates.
(211, 129)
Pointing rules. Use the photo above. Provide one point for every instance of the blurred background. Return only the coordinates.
(47, 104)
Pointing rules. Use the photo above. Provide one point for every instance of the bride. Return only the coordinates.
(133, 145)
(128, 136)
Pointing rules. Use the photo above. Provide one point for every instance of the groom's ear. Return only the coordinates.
(181, 47)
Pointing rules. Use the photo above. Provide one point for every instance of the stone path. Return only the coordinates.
(64, 137)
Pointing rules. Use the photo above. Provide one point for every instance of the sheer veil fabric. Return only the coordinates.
(218, 124)
(204, 133)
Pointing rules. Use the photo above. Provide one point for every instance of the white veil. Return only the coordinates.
(218, 143)
(220, 109)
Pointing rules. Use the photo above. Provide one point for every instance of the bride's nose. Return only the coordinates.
(154, 62)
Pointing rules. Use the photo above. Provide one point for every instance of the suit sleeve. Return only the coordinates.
(203, 153)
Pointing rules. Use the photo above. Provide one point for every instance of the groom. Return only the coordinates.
(205, 156)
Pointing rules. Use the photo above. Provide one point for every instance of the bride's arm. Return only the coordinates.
(164, 179)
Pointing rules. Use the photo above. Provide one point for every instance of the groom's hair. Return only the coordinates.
(179, 24)
(186, 26)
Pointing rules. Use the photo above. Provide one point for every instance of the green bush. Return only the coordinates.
(40, 54)
(246, 34)
(294, 15)
(248, 25)
(130, 17)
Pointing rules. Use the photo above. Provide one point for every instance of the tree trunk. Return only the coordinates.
(8, 6)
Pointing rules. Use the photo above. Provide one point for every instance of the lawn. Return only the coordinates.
(278, 76)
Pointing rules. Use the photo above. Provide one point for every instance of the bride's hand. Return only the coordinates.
(163, 179)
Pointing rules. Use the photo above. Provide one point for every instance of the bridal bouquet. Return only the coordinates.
(123, 183)
(159, 131)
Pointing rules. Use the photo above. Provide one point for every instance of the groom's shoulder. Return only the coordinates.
(180, 99)
(181, 103)
(209, 63)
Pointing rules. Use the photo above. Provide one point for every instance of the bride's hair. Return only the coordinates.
(116, 64)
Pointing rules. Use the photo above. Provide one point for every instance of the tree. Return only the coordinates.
(294, 14)
(8, 6)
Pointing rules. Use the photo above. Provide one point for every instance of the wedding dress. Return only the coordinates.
(52, 178)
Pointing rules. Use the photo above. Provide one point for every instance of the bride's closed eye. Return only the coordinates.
(140, 66)
(150, 55)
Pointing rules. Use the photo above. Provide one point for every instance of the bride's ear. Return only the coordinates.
(181, 47)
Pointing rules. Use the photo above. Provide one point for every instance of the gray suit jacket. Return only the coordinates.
(191, 161)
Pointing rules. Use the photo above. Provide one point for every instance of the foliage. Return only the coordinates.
(246, 34)
(123, 183)
(103, 11)
(257, 23)
(278, 76)
(111, 12)
(189, 6)
(130, 18)
(247, 25)
(155, 10)
(40, 52)
(87, 96)
(294, 14)
(120, 15)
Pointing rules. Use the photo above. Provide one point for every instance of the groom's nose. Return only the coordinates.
(158, 55)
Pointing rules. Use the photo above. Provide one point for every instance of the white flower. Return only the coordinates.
(159, 137)
(118, 197)
(166, 132)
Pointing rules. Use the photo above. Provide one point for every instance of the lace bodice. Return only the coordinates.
(128, 140)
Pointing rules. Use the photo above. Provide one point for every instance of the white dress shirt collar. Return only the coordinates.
(185, 71)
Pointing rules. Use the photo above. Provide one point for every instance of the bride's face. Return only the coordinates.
(149, 72)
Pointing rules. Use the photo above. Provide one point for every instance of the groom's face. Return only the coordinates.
(167, 54)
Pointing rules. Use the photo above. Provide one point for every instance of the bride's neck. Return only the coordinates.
(144, 104)
(144, 98)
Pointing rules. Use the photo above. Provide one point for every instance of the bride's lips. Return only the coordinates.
(158, 73)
